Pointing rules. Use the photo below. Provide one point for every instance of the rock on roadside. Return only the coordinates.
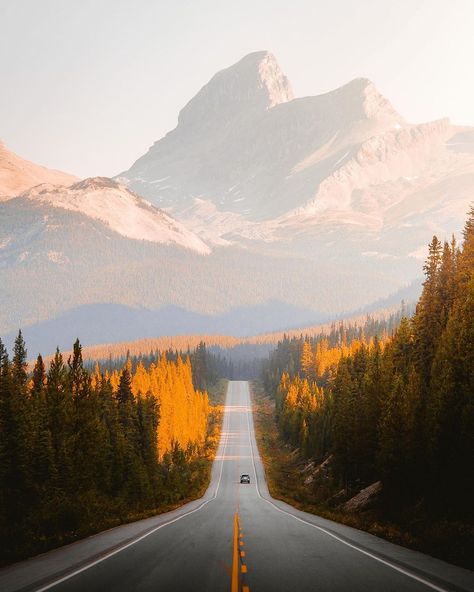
(364, 499)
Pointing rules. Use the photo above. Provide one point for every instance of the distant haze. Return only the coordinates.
(87, 86)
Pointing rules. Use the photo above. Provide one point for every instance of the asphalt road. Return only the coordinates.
(273, 547)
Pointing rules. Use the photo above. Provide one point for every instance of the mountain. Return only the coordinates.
(248, 161)
(18, 174)
(258, 212)
(54, 261)
(124, 212)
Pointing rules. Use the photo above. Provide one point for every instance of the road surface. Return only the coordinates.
(235, 538)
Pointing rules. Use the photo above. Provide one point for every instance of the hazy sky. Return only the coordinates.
(87, 86)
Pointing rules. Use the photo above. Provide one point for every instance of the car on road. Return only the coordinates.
(245, 478)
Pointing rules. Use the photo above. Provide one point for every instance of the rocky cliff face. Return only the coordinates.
(398, 153)
(248, 161)
(254, 84)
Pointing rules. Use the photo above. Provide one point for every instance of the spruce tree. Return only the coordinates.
(19, 362)
(21, 444)
(61, 421)
(5, 440)
(38, 378)
(43, 455)
(466, 258)
(307, 360)
(427, 317)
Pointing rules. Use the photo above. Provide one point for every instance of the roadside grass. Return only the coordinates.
(447, 540)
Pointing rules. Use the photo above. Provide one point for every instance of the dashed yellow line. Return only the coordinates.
(235, 557)
(237, 554)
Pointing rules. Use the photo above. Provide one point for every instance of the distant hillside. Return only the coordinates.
(99, 323)
(233, 346)
(54, 261)
(118, 208)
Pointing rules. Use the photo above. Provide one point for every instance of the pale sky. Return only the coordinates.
(87, 86)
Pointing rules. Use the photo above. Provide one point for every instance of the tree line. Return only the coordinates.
(209, 362)
(397, 408)
(315, 356)
(84, 449)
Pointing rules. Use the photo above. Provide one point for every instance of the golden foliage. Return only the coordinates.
(183, 410)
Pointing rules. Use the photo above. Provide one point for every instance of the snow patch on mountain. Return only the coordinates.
(222, 228)
(58, 257)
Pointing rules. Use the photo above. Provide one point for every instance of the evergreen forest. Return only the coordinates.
(82, 450)
(392, 401)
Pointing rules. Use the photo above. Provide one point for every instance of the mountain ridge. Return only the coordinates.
(18, 174)
(293, 165)
(121, 210)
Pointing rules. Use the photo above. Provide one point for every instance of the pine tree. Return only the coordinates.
(38, 378)
(128, 420)
(392, 440)
(427, 316)
(342, 423)
(6, 438)
(21, 445)
(42, 461)
(307, 361)
(76, 370)
(466, 258)
(61, 421)
(446, 289)
(452, 409)
(19, 362)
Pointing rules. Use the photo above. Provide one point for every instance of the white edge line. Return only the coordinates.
(147, 534)
(334, 536)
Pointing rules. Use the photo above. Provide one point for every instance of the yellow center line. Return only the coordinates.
(235, 556)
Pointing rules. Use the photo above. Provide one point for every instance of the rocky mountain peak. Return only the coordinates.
(92, 183)
(361, 94)
(256, 82)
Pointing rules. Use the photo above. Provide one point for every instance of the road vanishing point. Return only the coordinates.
(235, 538)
